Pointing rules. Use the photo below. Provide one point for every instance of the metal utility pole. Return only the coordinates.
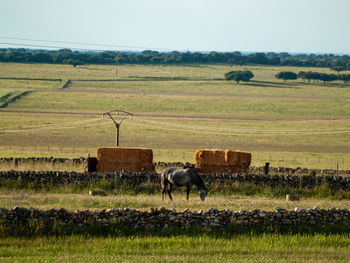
(116, 66)
(120, 116)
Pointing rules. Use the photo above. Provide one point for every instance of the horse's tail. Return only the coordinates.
(164, 177)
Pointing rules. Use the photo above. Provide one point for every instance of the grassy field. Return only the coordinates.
(241, 248)
(174, 249)
(249, 247)
(73, 199)
(292, 124)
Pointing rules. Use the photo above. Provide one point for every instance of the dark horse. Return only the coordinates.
(185, 177)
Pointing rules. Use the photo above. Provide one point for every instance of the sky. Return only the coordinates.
(302, 26)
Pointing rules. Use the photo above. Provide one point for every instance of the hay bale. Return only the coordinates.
(124, 158)
(210, 157)
(221, 161)
(236, 158)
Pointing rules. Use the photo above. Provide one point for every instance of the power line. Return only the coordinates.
(77, 43)
(84, 43)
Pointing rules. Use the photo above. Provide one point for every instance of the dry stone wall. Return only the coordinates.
(165, 218)
(135, 179)
(12, 163)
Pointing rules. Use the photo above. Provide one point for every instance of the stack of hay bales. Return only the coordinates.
(124, 158)
(221, 161)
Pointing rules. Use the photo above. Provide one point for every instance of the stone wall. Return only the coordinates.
(43, 163)
(80, 163)
(164, 218)
(135, 179)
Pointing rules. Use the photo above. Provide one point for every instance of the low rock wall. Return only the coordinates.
(13, 163)
(135, 179)
(164, 218)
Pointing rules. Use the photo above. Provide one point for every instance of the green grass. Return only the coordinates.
(240, 248)
(195, 105)
(24, 85)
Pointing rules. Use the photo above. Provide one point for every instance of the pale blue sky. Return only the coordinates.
(313, 26)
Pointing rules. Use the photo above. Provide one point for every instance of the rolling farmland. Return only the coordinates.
(291, 124)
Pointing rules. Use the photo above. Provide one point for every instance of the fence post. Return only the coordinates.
(337, 169)
(266, 168)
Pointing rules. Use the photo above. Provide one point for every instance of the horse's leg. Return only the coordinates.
(169, 192)
(164, 184)
(163, 192)
(163, 195)
(188, 187)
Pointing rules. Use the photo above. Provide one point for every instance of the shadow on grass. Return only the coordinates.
(271, 84)
(118, 230)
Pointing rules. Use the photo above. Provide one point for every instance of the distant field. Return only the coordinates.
(294, 124)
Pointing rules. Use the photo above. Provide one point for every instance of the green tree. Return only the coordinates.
(286, 75)
(239, 75)
(338, 66)
(345, 78)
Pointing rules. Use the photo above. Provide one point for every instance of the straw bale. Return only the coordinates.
(220, 161)
(124, 158)
(210, 157)
(236, 158)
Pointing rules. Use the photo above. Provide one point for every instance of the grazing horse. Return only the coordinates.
(185, 177)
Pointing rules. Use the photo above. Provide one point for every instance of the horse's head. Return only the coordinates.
(202, 194)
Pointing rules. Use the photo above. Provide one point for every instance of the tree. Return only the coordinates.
(239, 75)
(345, 78)
(73, 62)
(327, 77)
(338, 66)
(302, 75)
(285, 75)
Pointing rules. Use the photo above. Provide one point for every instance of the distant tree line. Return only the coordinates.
(67, 56)
(316, 76)
(310, 75)
(246, 75)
